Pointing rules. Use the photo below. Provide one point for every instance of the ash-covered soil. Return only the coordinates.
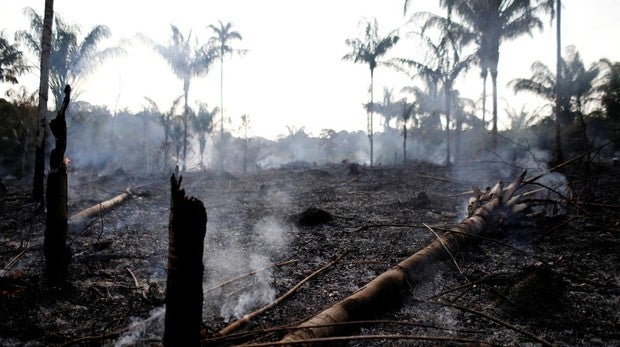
(552, 276)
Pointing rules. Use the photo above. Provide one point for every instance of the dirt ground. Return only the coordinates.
(552, 276)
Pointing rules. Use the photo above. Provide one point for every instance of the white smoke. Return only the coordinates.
(258, 293)
(141, 329)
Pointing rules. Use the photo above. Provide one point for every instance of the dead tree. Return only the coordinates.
(55, 247)
(387, 289)
(184, 296)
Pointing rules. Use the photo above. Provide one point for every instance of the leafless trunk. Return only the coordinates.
(405, 143)
(39, 161)
(56, 252)
(388, 288)
(186, 232)
(558, 155)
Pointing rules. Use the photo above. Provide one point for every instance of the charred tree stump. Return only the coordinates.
(54, 246)
(184, 296)
(387, 289)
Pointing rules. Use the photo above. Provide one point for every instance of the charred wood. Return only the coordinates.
(55, 248)
(82, 219)
(387, 289)
(184, 297)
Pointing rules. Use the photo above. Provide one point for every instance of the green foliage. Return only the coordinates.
(610, 89)
(17, 124)
(71, 60)
(12, 62)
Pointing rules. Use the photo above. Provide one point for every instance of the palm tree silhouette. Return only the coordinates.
(491, 22)
(165, 119)
(202, 124)
(575, 87)
(367, 51)
(223, 35)
(12, 63)
(186, 63)
(70, 59)
(445, 66)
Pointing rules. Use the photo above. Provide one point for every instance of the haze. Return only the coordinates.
(293, 74)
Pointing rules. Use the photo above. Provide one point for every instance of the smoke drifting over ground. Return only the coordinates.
(253, 249)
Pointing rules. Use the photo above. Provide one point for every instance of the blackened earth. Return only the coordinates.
(553, 274)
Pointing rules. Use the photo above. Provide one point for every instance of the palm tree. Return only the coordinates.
(575, 88)
(493, 21)
(610, 88)
(463, 114)
(202, 124)
(46, 47)
(407, 112)
(70, 59)
(389, 108)
(165, 119)
(245, 128)
(445, 67)
(223, 35)
(367, 51)
(12, 63)
(177, 137)
(186, 62)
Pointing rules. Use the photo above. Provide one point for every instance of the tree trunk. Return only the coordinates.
(370, 127)
(558, 155)
(447, 88)
(405, 143)
(388, 288)
(245, 155)
(484, 110)
(494, 83)
(39, 161)
(166, 135)
(222, 91)
(55, 249)
(185, 111)
(184, 296)
(457, 140)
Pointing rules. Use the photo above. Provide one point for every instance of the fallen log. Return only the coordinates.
(387, 289)
(81, 219)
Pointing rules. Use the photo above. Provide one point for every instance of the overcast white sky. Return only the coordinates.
(293, 74)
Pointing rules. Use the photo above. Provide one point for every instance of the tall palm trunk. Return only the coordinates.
(559, 156)
(185, 110)
(39, 161)
(166, 144)
(447, 88)
(494, 83)
(370, 127)
(222, 92)
(202, 142)
(405, 143)
(484, 110)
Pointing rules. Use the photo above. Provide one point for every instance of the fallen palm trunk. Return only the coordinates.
(55, 242)
(81, 219)
(184, 296)
(388, 288)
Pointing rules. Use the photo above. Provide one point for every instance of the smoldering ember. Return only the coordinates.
(434, 226)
